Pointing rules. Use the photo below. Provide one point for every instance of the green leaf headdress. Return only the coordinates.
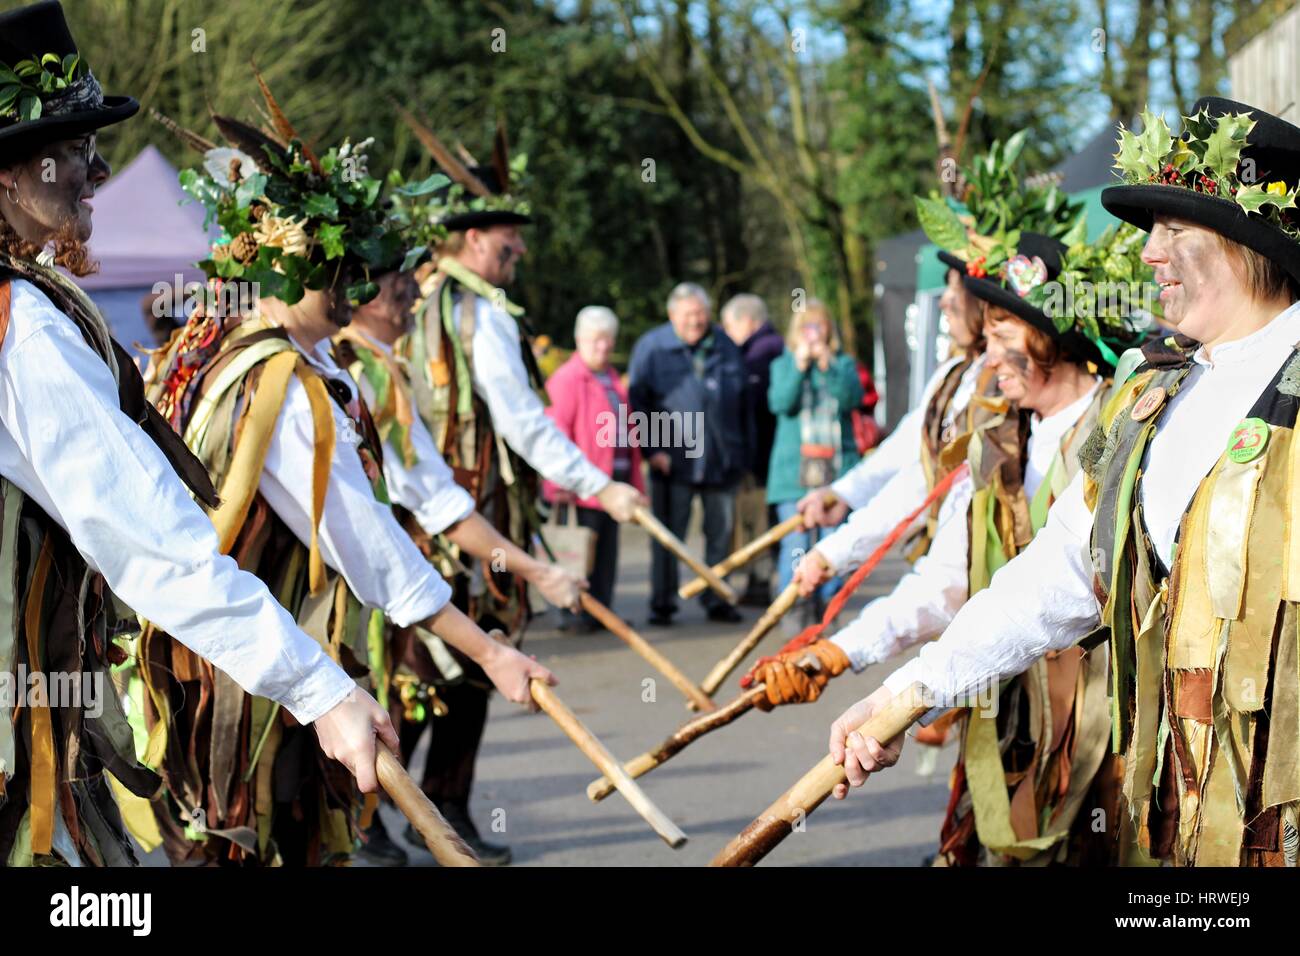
(291, 221)
(1104, 292)
(472, 196)
(997, 204)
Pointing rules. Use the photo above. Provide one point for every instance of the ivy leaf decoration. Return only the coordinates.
(321, 204)
(362, 292)
(330, 237)
(941, 224)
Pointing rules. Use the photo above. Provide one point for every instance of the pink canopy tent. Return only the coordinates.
(142, 232)
(146, 231)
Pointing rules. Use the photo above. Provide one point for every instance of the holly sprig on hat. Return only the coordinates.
(1206, 159)
(25, 85)
(997, 203)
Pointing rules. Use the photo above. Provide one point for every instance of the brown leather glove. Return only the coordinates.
(788, 683)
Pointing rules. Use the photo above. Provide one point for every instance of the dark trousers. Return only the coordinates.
(671, 503)
(454, 738)
(605, 570)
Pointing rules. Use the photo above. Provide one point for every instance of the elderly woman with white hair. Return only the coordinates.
(586, 393)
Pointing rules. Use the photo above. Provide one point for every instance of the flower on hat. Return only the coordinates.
(1277, 188)
(1024, 274)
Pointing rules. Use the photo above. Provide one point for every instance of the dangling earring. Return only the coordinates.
(11, 193)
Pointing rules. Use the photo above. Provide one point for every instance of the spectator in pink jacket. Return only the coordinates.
(588, 402)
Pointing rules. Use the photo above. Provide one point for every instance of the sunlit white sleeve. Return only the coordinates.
(518, 414)
(925, 600)
(426, 488)
(359, 536)
(864, 480)
(867, 528)
(1042, 600)
(65, 442)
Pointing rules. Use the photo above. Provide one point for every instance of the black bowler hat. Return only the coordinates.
(951, 261)
(1037, 262)
(1272, 148)
(30, 33)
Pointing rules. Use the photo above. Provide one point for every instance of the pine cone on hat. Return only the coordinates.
(244, 248)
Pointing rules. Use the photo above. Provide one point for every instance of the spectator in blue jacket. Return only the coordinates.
(689, 380)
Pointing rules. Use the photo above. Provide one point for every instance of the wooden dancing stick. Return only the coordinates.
(749, 552)
(674, 544)
(444, 843)
(784, 601)
(598, 754)
(692, 730)
(646, 650)
(773, 825)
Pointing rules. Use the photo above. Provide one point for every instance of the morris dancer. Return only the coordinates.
(1171, 538)
(260, 400)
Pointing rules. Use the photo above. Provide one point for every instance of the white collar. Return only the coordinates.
(322, 358)
(1283, 327)
(1069, 414)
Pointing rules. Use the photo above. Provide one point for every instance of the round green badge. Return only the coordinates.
(1248, 440)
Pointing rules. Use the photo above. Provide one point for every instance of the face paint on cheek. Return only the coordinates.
(1018, 362)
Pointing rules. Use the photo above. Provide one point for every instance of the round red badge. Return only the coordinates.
(1146, 405)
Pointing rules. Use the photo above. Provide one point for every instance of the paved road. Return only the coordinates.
(532, 779)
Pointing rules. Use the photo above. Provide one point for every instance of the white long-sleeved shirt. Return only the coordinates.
(359, 536)
(926, 600)
(66, 444)
(518, 415)
(890, 482)
(427, 487)
(1043, 600)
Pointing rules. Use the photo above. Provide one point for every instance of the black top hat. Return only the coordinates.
(951, 261)
(1272, 148)
(481, 218)
(1037, 262)
(31, 32)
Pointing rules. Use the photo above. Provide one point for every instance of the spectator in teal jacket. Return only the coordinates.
(813, 392)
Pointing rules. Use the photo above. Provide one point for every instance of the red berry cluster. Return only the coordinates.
(975, 268)
(1204, 184)
(1170, 176)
